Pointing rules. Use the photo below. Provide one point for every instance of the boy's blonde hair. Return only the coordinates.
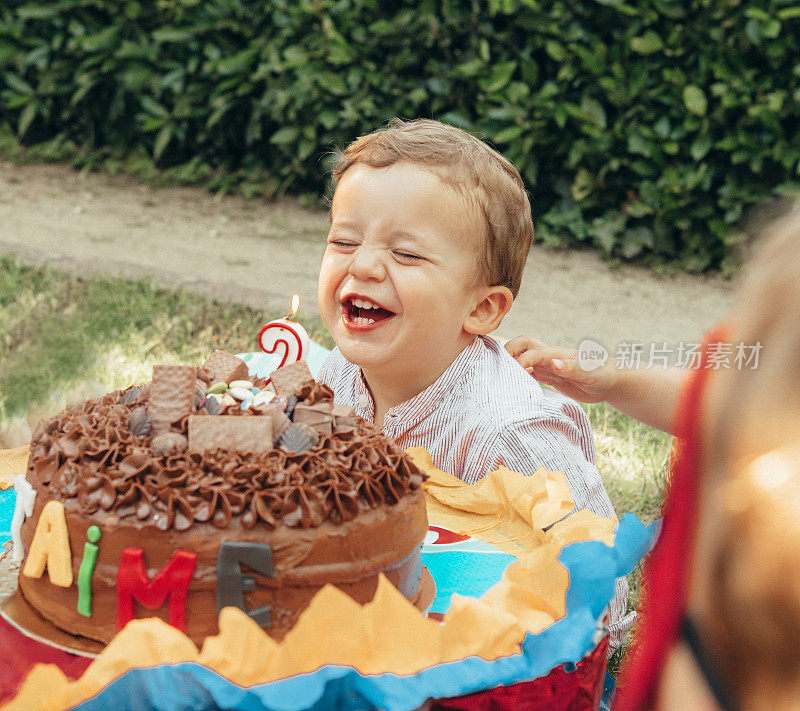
(483, 177)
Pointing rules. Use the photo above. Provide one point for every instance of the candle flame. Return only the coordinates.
(295, 305)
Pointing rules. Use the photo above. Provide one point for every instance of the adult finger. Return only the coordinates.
(522, 343)
(544, 355)
(567, 387)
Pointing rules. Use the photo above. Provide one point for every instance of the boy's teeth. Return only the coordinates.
(363, 304)
(361, 320)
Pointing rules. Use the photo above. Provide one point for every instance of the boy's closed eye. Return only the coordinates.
(402, 255)
(343, 243)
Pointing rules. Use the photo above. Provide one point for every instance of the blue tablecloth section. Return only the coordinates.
(593, 569)
(7, 500)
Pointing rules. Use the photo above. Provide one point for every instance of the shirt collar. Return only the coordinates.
(403, 417)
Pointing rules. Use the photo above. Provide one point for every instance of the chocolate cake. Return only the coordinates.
(167, 500)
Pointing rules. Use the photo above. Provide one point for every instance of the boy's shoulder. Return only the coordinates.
(506, 394)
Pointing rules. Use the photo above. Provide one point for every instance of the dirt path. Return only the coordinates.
(259, 254)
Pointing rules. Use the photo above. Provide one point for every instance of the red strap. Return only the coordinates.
(668, 569)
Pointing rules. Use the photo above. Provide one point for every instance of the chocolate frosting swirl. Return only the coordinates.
(89, 453)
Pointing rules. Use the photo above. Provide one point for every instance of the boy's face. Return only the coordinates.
(404, 242)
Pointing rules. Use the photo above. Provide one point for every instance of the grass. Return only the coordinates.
(58, 331)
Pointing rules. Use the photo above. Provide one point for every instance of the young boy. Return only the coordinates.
(430, 230)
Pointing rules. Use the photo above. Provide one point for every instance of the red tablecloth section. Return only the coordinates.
(577, 690)
(19, 653)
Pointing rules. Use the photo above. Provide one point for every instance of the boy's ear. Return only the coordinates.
(494, 304)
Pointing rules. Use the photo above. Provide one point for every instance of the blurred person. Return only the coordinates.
(721, 591)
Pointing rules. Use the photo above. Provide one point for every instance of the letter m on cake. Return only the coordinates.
(171, 581)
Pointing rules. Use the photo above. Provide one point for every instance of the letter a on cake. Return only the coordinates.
(50, 547)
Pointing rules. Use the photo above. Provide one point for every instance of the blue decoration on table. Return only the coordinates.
(467, 568)
(593, 568)
(8, 499)
(261, 364)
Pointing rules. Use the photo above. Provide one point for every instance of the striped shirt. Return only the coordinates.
(486, 410)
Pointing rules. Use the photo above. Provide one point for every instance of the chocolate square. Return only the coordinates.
(225, 367)
(249, 435)
(291, 379)
(171, 393)
(319, 416)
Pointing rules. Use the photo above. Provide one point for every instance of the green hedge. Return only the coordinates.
(641, 128)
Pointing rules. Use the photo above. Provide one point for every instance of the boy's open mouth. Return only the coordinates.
(361, 313)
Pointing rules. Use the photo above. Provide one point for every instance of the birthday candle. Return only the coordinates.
(286, 334)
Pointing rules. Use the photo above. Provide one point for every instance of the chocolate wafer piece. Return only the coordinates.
(225, 367)
(249, 435)
(319, 416)
(291, 379)
(343, 411)
(280, 422)
(171, 394)
(344, 418)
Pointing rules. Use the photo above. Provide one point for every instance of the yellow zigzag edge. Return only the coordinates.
(387, 634)
(12, 462)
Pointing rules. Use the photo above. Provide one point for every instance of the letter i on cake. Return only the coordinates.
(208, 488)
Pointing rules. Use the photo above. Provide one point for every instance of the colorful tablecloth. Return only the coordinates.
(7, 500)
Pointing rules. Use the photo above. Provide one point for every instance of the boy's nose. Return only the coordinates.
(367, 265)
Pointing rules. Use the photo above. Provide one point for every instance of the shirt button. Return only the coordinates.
(363, 400)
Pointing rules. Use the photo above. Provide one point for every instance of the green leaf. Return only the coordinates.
(637, 144)
(36, 12)
(555, 50)
(506, 135)
(635, 240)
(648, 43)
(238, 63)
(695, 100)
(19, 84)
(771, 29)
(639, 209)
(459, 119)
(26, 117)
(162, 141)
(594, 111)
(285, 135)
(789, 189)
(332, 82)
(499, 76)
(605, 230)
(171, 34)
(582, 185)
(701, 147)
(100, 41)
(153, 107)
